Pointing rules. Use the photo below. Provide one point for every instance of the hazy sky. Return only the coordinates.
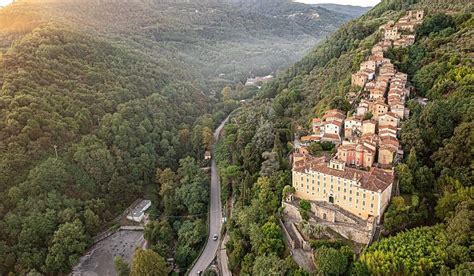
(364, 3)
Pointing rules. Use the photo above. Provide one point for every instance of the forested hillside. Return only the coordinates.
(435, 177)
(347, 9)
(218, 41)
(84, 126)
(106, 101)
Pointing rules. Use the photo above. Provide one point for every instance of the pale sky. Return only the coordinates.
(364, 3)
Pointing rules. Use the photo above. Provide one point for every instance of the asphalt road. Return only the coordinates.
(215, 222)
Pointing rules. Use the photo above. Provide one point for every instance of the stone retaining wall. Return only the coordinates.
(291, 210)
(348, 226)
(288, 239)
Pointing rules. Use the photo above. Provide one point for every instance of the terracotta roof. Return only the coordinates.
(334, 113)
(389, 141)
(316, 120)
(354, 147)
(310, 138)
(377, 91)
(332, 137)
(374, 180)
(386, 131)
(355, 118)
(365, 72)
(334, 122)
(380, 103)
(387, 127)
(390, 114)
(396, 104)
(369, 121)
(347, 147)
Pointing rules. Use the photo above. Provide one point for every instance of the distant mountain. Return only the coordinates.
(353, 11)
(226, 38)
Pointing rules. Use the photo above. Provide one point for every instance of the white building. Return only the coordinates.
(138, 212)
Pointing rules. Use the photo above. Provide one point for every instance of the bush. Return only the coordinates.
(305, 205)
(435, 24)
(329, 261)
(336, 244)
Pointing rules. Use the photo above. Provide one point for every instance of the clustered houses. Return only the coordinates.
(327, 129)
(359, 177)
(401, 32)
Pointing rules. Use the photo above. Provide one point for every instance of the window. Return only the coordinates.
(363, 203)
(312, 188)
(371, 205)
(350, 198)
(344, 197)
(350, 192)
(357, 193)
(345, 190)
(339, 189)
(363, 195)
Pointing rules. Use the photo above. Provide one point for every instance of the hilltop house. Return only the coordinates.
(352, 126)
(378, 108)
(361, 77)
(390, 119)
(368, 127)
(388, 148)
(328, 129)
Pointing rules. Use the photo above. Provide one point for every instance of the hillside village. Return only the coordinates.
(350, 190)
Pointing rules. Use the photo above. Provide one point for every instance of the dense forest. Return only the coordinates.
(85, 125)
(428, 228)
(106, 101)
(216, 41)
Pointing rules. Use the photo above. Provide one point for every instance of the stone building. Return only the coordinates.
(363, 193)
(352, 126)
(368, 127)
(356, 154)
(388, 149)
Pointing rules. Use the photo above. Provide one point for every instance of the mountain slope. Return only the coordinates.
(354, 11)
(436, 176)
(212, 37)
(101, 101)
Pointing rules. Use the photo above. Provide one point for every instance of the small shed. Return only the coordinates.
(138, 212)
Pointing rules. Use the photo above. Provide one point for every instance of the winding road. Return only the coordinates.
(215, 216)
